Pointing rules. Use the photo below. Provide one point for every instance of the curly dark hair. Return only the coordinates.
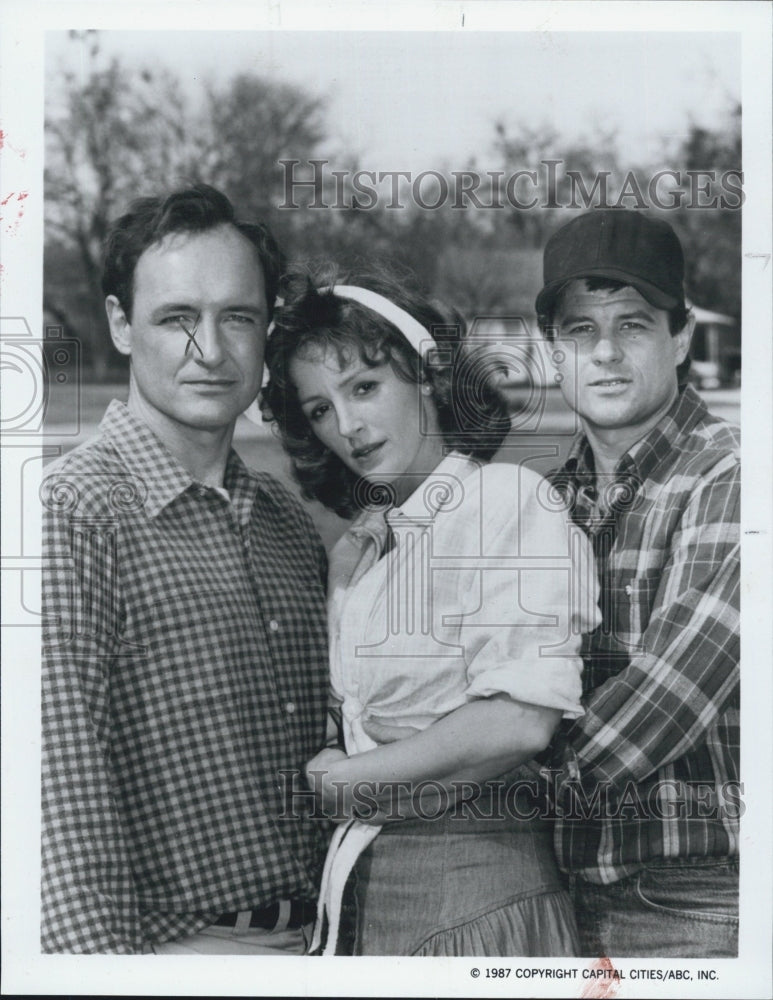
(471, 416)
(193, 210)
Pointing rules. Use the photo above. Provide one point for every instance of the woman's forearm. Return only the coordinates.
(479, 741)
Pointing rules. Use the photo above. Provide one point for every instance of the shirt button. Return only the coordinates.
(274, 625)
(290, 707)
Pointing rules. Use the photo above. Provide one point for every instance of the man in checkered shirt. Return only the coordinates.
(185, 663)
(647, 791)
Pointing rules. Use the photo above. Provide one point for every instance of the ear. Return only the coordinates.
(682, 340)
(429, 407)
(120, 327)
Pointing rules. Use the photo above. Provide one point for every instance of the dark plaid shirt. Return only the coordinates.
(651, 770)
(185, 666)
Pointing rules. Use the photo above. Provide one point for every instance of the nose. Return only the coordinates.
(208, 347)
(606, 347)
(350, 421)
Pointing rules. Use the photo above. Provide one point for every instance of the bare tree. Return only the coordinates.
(557, 176)
(247, 127)
(713, 236)
(110, 137)
(114, 134)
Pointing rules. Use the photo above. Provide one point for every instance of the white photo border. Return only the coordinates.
(25, 970)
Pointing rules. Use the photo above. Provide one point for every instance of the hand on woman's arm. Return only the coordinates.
(477, 742)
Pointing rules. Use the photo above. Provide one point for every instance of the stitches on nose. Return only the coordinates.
(191, 335)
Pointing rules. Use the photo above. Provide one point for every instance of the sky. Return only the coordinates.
(415, 100)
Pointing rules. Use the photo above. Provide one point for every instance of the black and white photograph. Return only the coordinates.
(386, 432)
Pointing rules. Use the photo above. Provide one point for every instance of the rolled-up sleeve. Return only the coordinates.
(532, 599)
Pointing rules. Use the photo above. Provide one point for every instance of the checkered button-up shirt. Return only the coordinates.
(651, 770)
(184, 668)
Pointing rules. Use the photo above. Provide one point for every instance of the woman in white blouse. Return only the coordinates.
(456, 602)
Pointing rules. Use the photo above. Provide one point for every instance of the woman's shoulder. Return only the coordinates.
(510, 486)
(513, 500)
(511, 473)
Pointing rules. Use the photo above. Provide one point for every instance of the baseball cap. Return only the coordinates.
(615, 243)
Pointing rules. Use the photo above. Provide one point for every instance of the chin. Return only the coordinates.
(202, 420)
(611, 411)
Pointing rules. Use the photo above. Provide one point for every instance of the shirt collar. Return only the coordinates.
(642, 458)
(163, 477)
(435, 492)
(687, 410)
(242, 486)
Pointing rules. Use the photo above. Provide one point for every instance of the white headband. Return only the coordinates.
(418, 336)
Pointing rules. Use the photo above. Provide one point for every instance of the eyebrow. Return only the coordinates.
(583, 318)
(172, 307)
(256, 310)
(344, 382)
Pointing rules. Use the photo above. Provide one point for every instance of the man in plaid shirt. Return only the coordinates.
(647, 790)
(185, 663)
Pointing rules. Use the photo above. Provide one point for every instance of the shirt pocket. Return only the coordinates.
(641, 593)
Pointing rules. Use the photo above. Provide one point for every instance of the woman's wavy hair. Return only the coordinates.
(471, 416)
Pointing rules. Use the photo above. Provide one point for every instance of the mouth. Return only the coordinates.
(608, 383)
(211, 383)
(366, 450)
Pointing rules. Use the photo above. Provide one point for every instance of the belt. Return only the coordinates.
(286, 914)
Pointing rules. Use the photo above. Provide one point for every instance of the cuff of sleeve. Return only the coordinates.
(561, 762)
(551, 682)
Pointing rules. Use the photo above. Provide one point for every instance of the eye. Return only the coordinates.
(632, 326)
(365, 387)
(240, 319)
(318, 412)
(578, 330)
(185, 320)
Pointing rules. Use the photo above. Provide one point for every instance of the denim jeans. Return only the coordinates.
(686, 908)
(462, 885)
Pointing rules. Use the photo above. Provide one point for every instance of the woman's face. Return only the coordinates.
(383, 428)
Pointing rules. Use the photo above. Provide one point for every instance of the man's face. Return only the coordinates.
(197, 332)
(617, 359)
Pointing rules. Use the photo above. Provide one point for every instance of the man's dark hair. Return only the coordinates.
(192, 210)
(677, 316)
